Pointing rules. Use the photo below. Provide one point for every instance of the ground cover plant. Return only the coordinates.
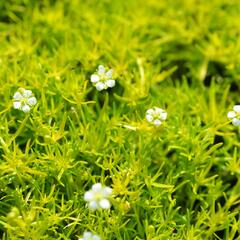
(119, 119)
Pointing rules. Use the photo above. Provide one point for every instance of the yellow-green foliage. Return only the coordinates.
(179, 181)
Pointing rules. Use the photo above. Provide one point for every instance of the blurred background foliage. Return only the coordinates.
(199, 38)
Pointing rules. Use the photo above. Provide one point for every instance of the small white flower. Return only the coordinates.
(102, 79)
(89, 236)
(97, 197)
(23, 100)
(235, 115)
(156, 116)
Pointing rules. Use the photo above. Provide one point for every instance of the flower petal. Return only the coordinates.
(157, 122)
(87, 234)
(149, 118)
(236, 122)
(150, 111)
(95, 237)
(32, 101)
(236, 108)
(88, 196)
(107, 191)
(97, 187)
(109, 73)
(94, 78)
(110, 83)
(26, 108)
(17, 96)
(105, 204)
(159, 110)
(93, 205)
(27, 93)
(231, 114)
(100, 86)
(101, 69)
(17, 105)
(163, 115)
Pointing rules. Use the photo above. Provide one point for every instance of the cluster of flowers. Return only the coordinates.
(102, 79)
(98, 196)
(234, 115)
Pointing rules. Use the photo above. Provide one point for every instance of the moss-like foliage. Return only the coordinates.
(173, 182)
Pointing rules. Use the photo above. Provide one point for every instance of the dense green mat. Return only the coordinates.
(173, 182)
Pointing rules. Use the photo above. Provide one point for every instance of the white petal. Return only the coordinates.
(157, 122)
(88, 196)
(26, 108)
(236, 108)
(163, 115)
(107, 191)
(87, 234)
(109, 73)
(97, 187)
(150, 111)
(100, 86)
(80, 239)
(149, 118)
(17, 105)
(231, 114)
(236, 122)
(27, 93)
(110, 83)
(101, 69)
(93, 205)
(32, 101)
(95, 237)
(95, 78)
(17, 96)
(105, 204)
(158, 110)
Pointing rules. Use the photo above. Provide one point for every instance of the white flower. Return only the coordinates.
(235, 115)
(156, 116)
(97, 197)
(89, 236)
(23, 100)
(103, 79)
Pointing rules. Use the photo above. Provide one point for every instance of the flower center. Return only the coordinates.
(98, 196)
(24, 101)
(156, 116)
